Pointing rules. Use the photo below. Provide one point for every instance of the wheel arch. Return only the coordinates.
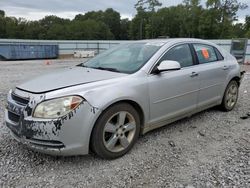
(134, 104)
(137, 107)
(237, 79)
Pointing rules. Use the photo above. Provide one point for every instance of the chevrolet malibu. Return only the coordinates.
(104, 104)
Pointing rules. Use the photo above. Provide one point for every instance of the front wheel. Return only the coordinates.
(230, 96)
(115, 131)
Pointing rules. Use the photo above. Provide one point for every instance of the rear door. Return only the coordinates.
(212, 74)
(174, 93)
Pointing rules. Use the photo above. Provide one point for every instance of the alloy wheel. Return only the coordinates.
(119, 131)
(231, 96)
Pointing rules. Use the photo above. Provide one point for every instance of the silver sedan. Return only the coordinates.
(104, 104)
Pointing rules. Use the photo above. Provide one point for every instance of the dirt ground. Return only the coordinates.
(209, 149)
(246, 68)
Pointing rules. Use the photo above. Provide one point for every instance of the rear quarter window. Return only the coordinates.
(205, 53)
(218, 54)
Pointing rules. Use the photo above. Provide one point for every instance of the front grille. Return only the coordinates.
(13, 117)
(20, 100)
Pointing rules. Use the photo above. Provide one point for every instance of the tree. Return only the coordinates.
(88, 30)
(2, 13)
(227, 13)
(124, 29)
(138, 25)
(33, 30)
(238, 30)
(146, 23)
(247, 27)
(247, 35)
(189, 19)
(112, 19)
(193, 11)
(172, 21)
(147, 5)
(11, 27)
(2, 24)
(109, 17)
(247, 23)
(209, 26)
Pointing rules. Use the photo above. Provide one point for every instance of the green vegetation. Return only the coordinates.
(189, 19)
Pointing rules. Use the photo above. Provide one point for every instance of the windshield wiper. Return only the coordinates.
(106, 68)
(81, 65)
(100, 68)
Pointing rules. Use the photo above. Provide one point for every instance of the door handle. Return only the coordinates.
(225, 67)
(193, 74)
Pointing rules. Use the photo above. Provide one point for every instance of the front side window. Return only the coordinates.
(126, 58)
(205, 53)
(181, 54)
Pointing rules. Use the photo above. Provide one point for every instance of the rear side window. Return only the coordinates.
(205, 53)
(181, 54)
(219, 56)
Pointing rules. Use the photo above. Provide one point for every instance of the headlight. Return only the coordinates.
(57, 107)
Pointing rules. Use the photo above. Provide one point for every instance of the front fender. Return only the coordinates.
(102, 98)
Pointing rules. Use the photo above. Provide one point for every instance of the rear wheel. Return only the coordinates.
(230, 96)
(116, 131)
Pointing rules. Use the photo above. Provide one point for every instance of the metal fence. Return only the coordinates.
(69, 46)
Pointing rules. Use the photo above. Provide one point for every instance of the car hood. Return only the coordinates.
(67, 78)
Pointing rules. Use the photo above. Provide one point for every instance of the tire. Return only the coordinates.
(230, 96)
(116, 131)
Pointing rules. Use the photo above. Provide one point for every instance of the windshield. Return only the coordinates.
(125, 58)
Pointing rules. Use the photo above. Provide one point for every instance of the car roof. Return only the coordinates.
(179, 40)
(174, 40)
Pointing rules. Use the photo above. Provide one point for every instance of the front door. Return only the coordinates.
(174, 93)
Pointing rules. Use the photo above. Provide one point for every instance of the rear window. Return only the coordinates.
(205, 53)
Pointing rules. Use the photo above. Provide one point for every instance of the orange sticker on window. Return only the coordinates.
(205, 53)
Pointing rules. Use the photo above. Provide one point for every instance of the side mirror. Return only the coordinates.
(168, 65)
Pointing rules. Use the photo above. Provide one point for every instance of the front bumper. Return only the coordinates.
(68, 135)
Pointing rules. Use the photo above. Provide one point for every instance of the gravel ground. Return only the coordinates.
(210, 149)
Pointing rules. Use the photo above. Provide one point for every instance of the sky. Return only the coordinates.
(37, 9)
